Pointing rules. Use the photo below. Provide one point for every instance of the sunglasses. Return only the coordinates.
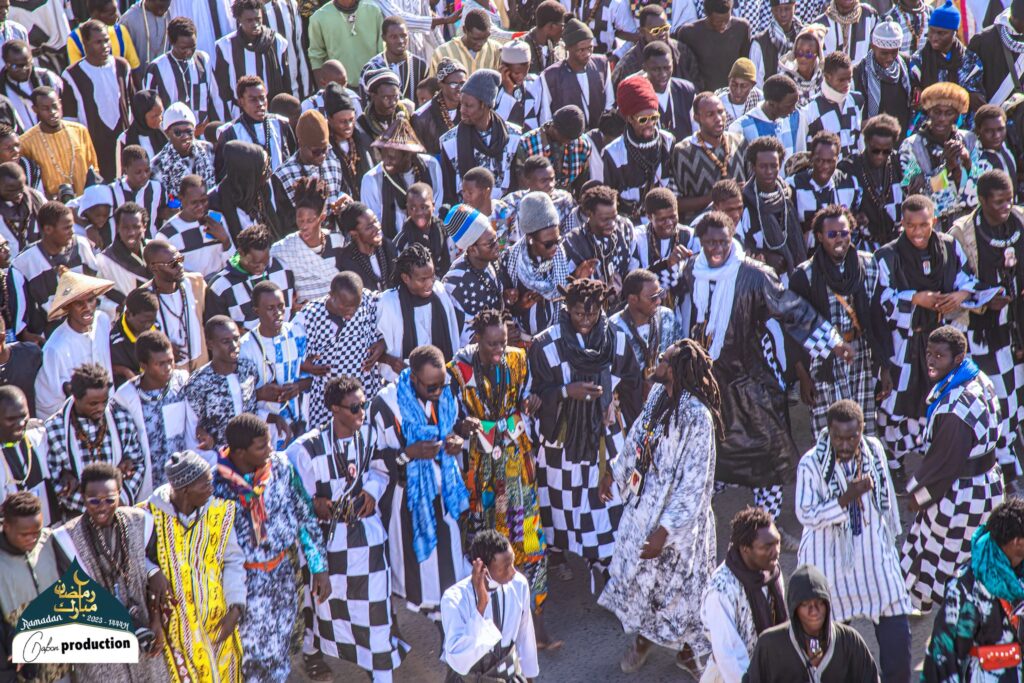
(880, 151)
(177, 260)
(181, 131)
(648, 119)
(356, 408)
(96, 502)
(550, 243)
(805, 55)
(832, 234)
(657, 296)
(659, 30)
(431, 388)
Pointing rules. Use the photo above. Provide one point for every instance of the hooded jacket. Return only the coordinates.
(780, 655)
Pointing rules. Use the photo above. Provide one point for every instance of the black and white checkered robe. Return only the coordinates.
(856, 382)
(962, 432)
(809, 196)
(115, 448)
(574, 518)
(421, 584)
(230, 293)
(472, 291)
(203, 254)
(355, 622)
(329, 171)
(891, 208)
(844, 120)
(899, 432)
(343, 349)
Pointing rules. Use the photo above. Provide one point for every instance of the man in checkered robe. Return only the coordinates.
(336, 469)
(230, 291)
(839, 282)
(959, 482)
(918, 272)
(587, 377)
(836, 108)
(822, 184)
(992, 237)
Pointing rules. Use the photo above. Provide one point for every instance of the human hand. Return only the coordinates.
(373, 354)
(367, 506)
(321, 587)
(453, 444)
(584, 391)
(844, 352)
(228, 623)
(423, 450)
(678, 255)
(585, 269)
(654, 544)
(885, 378)
(530, 404)
(604, 490)
(479, 580)
(312, 368)
(323, 508)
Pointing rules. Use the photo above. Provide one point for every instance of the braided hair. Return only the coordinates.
(310, 193)
(586, 291)
(413, 256)
(488, 317)
(692, 371)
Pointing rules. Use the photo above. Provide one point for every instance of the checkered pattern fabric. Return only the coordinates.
(753, 125)
(940, 538)
(329, 171)
(59, 457)
(809, 196)
(230, 293)
(472, 290)
(843, 119)
(1007, 377)
(768, 497)
(822, 340)
(341, 345)
(575, 155)
(313, 270)
(856, 382)
(355, 622)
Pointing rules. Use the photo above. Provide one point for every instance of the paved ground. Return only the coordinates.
(594, 641)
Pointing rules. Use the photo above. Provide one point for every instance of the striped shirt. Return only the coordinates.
(121, 45)
(186, 81)
(232, 60)
(64, 157)
(488, 57)
(858, 556)
(283, 17)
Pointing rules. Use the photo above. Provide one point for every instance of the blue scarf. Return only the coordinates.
(963, 374)
(992, 568)
(420, 485)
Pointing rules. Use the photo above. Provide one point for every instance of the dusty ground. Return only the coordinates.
(594, 641)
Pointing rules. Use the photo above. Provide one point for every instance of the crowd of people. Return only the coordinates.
(312, 308)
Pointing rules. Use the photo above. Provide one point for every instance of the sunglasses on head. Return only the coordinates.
(645, 120)
(832, 234)
(96, 502)
(356, 408)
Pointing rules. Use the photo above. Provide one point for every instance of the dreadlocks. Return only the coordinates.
(488, 317)
(413, 256)
(585, 291)
(691, 370)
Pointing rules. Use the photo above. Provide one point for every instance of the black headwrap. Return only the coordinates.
(246, 186)
(143, 102)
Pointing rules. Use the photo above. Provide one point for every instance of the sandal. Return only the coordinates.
(316, 668)
(550, 645)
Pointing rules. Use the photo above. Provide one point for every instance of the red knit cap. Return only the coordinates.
(635, 94)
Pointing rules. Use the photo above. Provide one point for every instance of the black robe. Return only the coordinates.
(758, 448)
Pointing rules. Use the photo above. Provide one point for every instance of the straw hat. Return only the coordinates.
(400, 136)
(73, 287)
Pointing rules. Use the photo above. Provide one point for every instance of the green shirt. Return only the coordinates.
(334, 34)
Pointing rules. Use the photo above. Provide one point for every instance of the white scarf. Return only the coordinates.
(831, 94)
(720, 301)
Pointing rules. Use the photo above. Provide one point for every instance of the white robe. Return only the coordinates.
(468, 635)
(64, 351)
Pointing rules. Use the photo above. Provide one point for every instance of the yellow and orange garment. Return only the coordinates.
(500, 474)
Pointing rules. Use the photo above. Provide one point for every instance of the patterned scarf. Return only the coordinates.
(543, 278)
(783, 40)
(896, 73)
(845, 21)
(1013, 41)
(825, 456)
(250, 496)
(420, 485)
(993, 569)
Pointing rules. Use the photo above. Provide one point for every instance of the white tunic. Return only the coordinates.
(64, 351)
(468, 635)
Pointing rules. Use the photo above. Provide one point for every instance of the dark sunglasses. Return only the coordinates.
(177, 260)
(832, 234)
(356, 408)
(431, 388)
(875, 151)
(657, 296)
(805, 55)
(96, 502)
(550, 243)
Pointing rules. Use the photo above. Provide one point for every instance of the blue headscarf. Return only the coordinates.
(420, 485)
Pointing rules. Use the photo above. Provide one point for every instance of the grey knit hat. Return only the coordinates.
(184, 468)
(483, 84)
(537, 212)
